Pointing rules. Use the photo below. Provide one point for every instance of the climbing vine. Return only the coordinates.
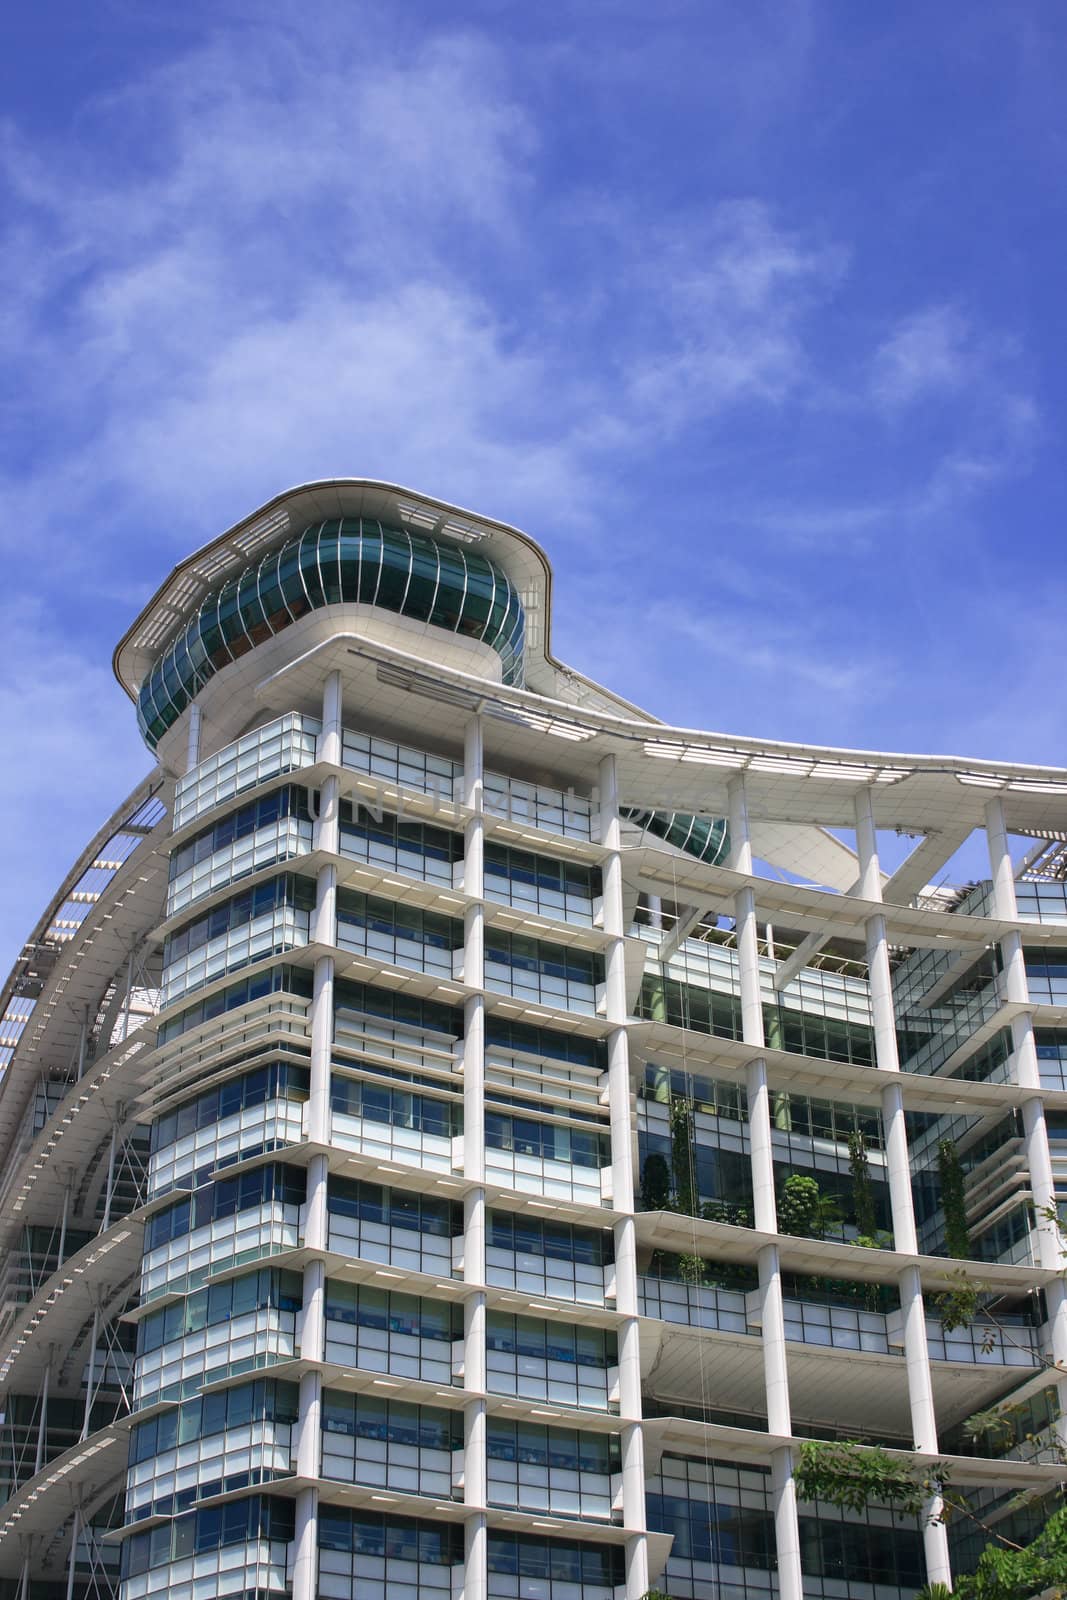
(656, 1183)
(957, 1237)
(683, 1157)
(862, 1187)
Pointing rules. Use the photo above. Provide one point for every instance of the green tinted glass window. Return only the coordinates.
(351, 560)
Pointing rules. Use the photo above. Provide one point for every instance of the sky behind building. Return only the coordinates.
(752, 315)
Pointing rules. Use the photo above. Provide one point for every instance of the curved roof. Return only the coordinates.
(180, 597)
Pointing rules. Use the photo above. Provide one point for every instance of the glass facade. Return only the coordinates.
(392, 1176)
(353, 560)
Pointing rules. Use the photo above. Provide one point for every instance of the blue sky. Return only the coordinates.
(753, 314)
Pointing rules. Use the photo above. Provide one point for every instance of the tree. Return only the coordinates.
(803, 1210)
(1038, 1569)
(798, 1205)
(959, 1304)
(852, 1476)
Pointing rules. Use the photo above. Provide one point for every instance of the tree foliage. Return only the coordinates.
(958, 1305)
(851, 1475)
(803, 1210)
(1038, 1569)
(798, 1205)
(731, 1211)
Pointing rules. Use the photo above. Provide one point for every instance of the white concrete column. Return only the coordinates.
(315, 1219)
(192, 748)
(898, 1172)
(318, 1106)
(305, 1546)
(1027, 1074)
(312, 1338)
(474, 957)
(765, 1210)
(622, 1189)
(324, 916)
(775, 1367)
(475, 1557)
(309, 1454)
(475, 1462)
(309, 1420)
(329, 743)
(917, 1361)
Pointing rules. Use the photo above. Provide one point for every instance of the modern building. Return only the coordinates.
(461, 1136)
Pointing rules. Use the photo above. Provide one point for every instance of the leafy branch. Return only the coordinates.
(850, 1475)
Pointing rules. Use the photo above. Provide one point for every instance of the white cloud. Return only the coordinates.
(974, 424)
(736, 660)
(772, 648)
(303, 284)
(729, 295)
(930, 353)
(339, 244)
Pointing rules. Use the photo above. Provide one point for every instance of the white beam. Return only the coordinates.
(679, 933)
(920, 867)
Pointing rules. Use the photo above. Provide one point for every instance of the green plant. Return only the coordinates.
(683, 1156)
(655, 1183)
(739, 1216)
(851, 1475)
(958, 1305)
(957, 1237)
(803, 1210)
(863, 1205)
(870, 1294)
(798, 1205)
(692, 1269)
(1039, 1568)
(880, 1240)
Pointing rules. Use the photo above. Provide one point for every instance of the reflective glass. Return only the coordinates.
(354, 560)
